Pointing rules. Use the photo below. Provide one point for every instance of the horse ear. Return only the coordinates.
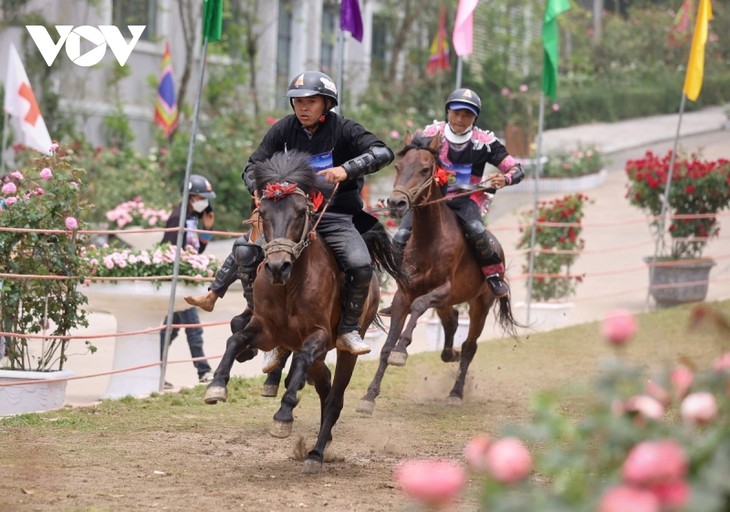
(408, 138)
(436, 141)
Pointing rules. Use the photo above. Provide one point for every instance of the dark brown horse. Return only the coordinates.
(296, 301)
(443, 272)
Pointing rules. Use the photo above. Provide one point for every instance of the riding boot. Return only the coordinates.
(400, 239)
(487, 257)
(354, 295)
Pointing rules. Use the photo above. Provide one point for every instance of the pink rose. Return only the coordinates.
(673, 495)
(476, 452)
(394, 134)
(618, 327)
(434, 483)
(657, 392)
(508, 460)
(699, 408)
(46, 173)
(628, 499)
(11, 200)
(646, 406)
(9, 188)
(54, 147)
(17, 175)
(655, 462)
(71, 223)
(681, 378)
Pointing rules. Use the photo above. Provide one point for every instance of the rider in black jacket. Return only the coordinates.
(343, 152)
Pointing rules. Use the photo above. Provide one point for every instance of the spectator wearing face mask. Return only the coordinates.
(198, 215)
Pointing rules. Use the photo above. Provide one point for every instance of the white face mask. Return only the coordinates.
(200, 205)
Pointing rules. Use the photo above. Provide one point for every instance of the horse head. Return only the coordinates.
(417, 165)
(284, 184)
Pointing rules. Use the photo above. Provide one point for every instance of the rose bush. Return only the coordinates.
(557, 245)
(672, 456)
(137, 213)
(42, 266)
(699, 190)
(573, 163)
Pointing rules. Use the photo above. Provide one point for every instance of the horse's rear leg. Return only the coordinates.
(478, 311)
(332, 407)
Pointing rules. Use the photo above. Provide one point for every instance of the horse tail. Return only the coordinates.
(383, 253)
(506, 320)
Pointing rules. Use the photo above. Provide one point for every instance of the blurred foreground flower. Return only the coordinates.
(433, 483)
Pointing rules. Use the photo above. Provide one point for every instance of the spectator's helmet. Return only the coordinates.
(464, 99)
(200, 186)
(313, 83)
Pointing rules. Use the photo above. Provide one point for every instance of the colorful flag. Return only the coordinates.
(551, 46)
(165, 106)
(438, 58)
(212, 20)
(20, 102)
(350, 18)
(696, 65)
(464, 27)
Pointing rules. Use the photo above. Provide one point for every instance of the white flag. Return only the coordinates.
(21, 103)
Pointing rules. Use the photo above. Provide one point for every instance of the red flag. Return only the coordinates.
(165, 105)
(438, 58)
(20, 102)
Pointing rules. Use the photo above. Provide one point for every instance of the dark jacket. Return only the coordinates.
(346, 140)
(192, 221)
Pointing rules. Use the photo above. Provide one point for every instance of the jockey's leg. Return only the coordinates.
(487, 257)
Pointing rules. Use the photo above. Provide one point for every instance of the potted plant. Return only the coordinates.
(135, 287)
(557, 246)
(137, 216)
(700, 189)
(40, 259)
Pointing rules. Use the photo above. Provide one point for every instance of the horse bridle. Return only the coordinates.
(414, 193)
(292, 248)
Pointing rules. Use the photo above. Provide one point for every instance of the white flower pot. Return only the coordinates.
(435, 333)
(46, 395)
(544, 316)
(137, 306)
(140, 241)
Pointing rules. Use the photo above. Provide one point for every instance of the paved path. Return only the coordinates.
(617, 238)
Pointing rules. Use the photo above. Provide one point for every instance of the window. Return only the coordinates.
(330, 17)
(381, 44)
(136, 12)
(283, 48)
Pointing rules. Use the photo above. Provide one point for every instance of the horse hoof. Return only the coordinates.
(453, 400)
(270, 390)
(366, 407)
(397, 358)
(281, 429)
(312, 466)
(215, 394)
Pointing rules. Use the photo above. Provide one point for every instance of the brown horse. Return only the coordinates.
(296, 301)
(443, 272)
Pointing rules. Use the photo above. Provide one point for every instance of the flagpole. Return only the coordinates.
(5, 142)
(183, 217)
(533, 232)
(341, 74)
(665, 201)
(458, 72)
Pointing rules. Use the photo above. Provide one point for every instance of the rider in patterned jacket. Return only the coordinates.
(465, 151)
(343, 152)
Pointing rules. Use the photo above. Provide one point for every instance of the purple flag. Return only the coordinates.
(350, 18)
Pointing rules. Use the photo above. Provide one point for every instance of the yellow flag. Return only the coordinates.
(696, 65)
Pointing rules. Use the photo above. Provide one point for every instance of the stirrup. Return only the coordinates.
(498, 288)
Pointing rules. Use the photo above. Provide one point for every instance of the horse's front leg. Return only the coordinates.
(314, 347)
(434, 298)
(273, 378)
(399, 311)
(449, 317)
(239, 343)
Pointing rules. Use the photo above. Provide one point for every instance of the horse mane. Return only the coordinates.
(292, 166)
(420, 141)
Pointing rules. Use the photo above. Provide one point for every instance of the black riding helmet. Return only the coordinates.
(313, 83)
(464, 99)
(200, 186)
